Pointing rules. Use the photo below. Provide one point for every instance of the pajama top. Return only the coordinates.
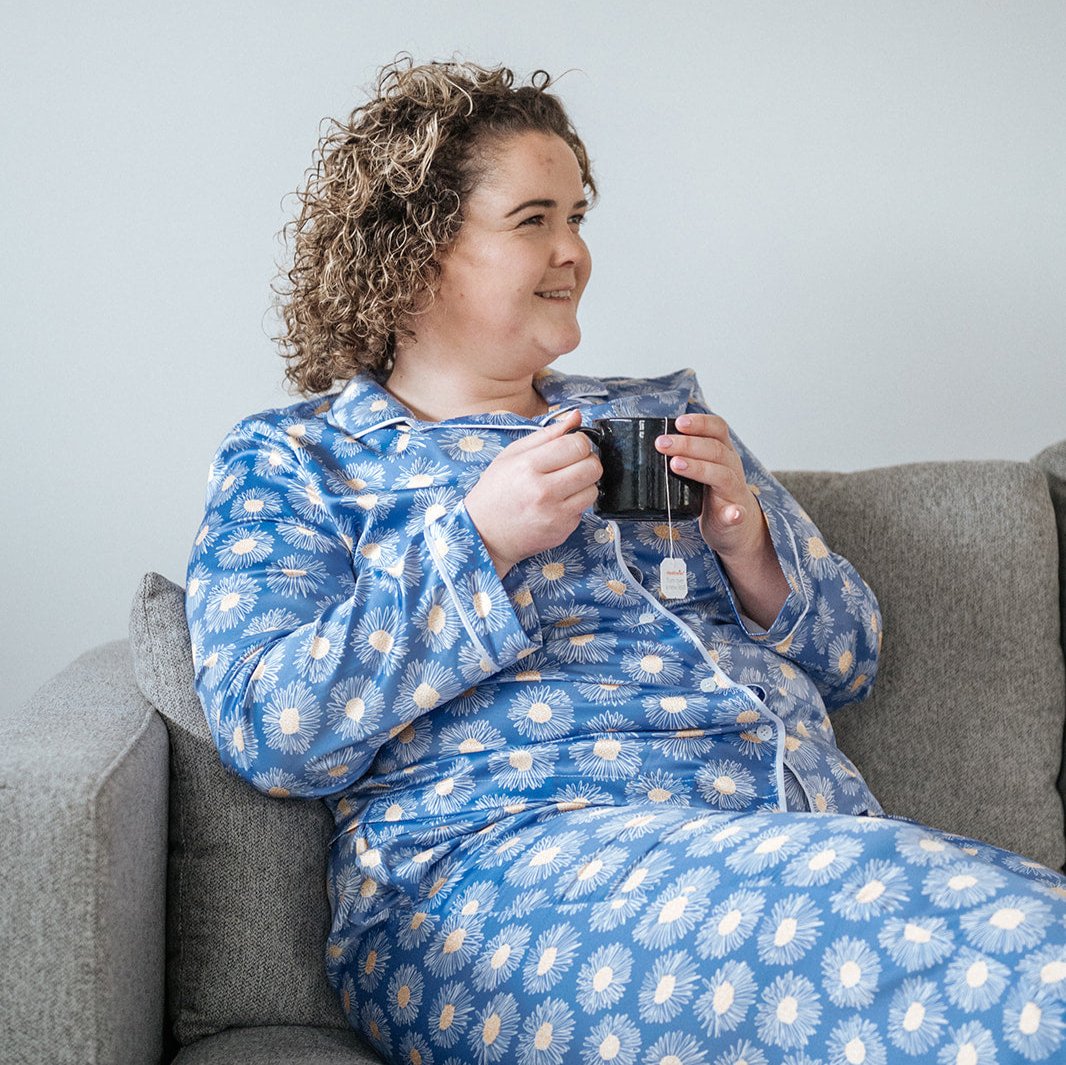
(352, 640)
(577, 821)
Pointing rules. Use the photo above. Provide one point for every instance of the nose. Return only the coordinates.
(569, 248)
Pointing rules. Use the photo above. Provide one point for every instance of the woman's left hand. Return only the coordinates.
(732, 521)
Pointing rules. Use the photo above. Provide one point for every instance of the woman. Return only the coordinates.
(577, 820)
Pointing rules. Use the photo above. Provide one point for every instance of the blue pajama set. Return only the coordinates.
(578, 821)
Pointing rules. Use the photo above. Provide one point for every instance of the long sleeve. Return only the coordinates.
(315, 641)
(830, 623)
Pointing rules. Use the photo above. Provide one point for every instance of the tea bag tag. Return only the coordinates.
(673, 578)
(673, 573)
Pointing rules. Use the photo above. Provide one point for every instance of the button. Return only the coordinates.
(647, 618)
(708, 684)
(764, 732)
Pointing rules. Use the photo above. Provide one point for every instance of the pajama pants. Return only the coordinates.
(641, 936)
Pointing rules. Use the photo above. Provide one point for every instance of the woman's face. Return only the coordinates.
(508, 252)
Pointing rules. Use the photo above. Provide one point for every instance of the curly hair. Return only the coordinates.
(385, 199)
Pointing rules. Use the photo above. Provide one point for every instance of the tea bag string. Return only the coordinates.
(666, 482)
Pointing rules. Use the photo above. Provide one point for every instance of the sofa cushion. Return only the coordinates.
(279, 1046)
(964, 729)
(247, 911)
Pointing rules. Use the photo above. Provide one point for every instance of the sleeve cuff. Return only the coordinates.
(498, 615)
(795, 605)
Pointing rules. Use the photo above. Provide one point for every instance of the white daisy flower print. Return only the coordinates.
(374, 1024)
(551, 957)
(743, 1052)
(240, 743)
(592, 874)
(1033, 1023)
(676, 1048)
(291, 718)
(1046, 970)
(372, 961)
(651, 663)
(1009, 924)
(659, 536)
(974, 981)
(971, 1043)
(547, 1033)
(856, 1040)
(767, 849)
(607, 690)
(726, 784)
(607, 756)
(668, 987)
(404, 997)
(789, 1012)
(789, 930)
(676, 711)
(676, 910)
(957, 885)
(916, 942)
(454, 944)
(729, 995)
(501, 957)
(850, 973)
(379, 641)
(452, 792)
(603, 978)
(921, 847)
(916, 1016)
(730, 923)
(523, 767)
(229, 601)
(554, 574)
(354, 708)
(615, 1039)
(542, 713)
(818, 865)
(544, 859)
(416, 928)
(878, 888)
(658, 788)
(493, 1028)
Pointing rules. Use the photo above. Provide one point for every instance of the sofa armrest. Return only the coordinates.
(83, 857)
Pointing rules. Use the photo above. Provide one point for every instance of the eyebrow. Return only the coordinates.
(541, 203)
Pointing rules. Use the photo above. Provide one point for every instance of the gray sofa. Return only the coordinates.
(156, 907)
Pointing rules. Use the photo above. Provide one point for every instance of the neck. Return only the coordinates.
(436, 394)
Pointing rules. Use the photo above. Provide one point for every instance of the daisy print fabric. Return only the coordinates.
(578, 821)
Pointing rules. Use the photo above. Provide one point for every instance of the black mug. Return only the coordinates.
(636, 481)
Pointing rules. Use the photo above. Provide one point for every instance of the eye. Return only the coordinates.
(532, 218)
(578, 218)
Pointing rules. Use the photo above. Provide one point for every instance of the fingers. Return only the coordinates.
(551, 431)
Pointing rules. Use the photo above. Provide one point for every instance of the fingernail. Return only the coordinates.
(683, 422)
(663, 441)
(680, 464)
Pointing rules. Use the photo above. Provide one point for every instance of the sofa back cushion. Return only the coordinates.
(247, 911)
(963, 730)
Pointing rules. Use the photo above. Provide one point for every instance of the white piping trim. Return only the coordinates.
(779, 756)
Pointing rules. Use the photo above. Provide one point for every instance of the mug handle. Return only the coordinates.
(594, 432)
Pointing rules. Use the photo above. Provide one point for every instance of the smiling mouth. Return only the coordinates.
(562, 295)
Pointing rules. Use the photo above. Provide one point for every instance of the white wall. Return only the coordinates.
(848, 216)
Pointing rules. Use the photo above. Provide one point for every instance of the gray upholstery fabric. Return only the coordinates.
(83, 801)
(1052, 461)
(247, 913)
(964, 728)
(279, 1046)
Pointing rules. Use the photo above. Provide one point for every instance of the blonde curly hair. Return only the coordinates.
(385, 199)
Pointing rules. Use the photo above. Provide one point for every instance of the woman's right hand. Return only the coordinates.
(532, 495)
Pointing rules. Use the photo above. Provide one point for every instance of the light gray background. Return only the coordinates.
(849, 217)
